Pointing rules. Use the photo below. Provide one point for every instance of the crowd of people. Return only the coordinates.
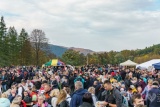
(86, 86)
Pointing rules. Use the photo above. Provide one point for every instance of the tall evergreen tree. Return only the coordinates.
(25, 54)
(13, 45)
(2, 36)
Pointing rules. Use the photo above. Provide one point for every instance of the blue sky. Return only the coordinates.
(99, 25)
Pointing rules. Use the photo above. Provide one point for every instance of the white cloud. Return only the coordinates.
(100, 25)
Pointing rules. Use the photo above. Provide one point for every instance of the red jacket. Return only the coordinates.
(23, 104)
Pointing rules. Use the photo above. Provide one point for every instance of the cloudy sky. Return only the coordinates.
(99, 25)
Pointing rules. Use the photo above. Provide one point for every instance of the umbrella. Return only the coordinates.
(54, 62)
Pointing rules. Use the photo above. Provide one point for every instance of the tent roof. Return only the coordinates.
(128, 63)
(148, 63)
(156, 65)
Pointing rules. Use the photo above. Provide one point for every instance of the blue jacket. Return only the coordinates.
(77, 96)
(153, 99)
(10, 97)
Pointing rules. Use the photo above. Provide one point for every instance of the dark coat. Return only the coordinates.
(123, 74)
(18, 79)
(71, 81)
(87, 83)
(10, 97)
(153, 98)
(27, 99)
(86, 104)
(137, 75)
(127, 83)
(4, 79)
(142, 84)
(63, 104)
(55, 84)
(77, 96)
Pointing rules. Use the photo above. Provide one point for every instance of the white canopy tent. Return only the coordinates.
(128, 63)
(148, 63)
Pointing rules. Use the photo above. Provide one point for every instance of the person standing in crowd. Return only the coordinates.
(4, 81)
(153, 99)
(137, 99)
(68, 91)
(47, 90)
(61, 101)
(146, 89)
(141, 83)
(71, 82)
(123, 74)
(113, 97)
(127, 81)
(41, 102)
(4, 102)
(87, 100)
(76, 100)
(79, 78)
(12, 94)
(54, 96)
(136, 74)
(24, 84)
(139, 89)
(41, 90)
(87, 82)
(92, 91)
(34, 94)
(18, 78)
(16, 102)
(26, 98)
(29, 83)
(54, 82)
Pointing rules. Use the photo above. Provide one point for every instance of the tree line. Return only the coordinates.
(112, 57)
(33, 49)
(22, 48)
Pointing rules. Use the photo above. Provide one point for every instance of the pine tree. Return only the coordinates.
(2, 42)
(13, 45)
(25, 54)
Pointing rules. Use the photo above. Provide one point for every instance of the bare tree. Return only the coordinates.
(39, 42)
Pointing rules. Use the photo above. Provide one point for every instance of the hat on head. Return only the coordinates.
(123, 92)
(155, 84)
(132, 86)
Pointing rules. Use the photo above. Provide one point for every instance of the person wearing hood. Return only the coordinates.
(4, 102)
(153, 99)
(77, 96)
(79, 78)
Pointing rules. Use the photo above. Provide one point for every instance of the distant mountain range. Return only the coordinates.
(59, 50)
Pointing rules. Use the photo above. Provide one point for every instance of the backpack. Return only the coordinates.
(66, 104)
(68, 101)
(124, 100)
(34, 97)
